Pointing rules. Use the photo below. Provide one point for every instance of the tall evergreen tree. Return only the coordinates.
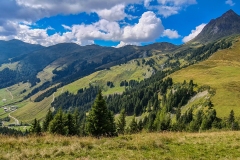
(48, 119)
(111, 130)
(133, 126)
(231, 117)
(99, 121)
(36, 127)
(57, 125)
(71, 125)
(77, 121)
(121, 123)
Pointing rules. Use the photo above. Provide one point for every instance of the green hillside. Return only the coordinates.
(132, 70)
(222, 73)
(137, 69)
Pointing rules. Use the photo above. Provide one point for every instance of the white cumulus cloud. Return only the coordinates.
(167, 11)
(194, 33)
(172, 34)
(17, 17)
(148, 28)
(115, 13)
(147, 3)
(167, 8)
(230, 2)
(177, 2)
(122, 44)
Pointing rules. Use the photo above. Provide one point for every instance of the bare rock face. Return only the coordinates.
(226, 25)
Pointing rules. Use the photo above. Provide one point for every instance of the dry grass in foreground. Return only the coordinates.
(212, 145)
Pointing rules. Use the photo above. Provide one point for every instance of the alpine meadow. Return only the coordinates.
(119, 79)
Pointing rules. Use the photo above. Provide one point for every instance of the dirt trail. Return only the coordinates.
(53, 97)
(10, 93)
(15, 119)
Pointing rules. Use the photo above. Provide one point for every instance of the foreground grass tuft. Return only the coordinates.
(213, 145)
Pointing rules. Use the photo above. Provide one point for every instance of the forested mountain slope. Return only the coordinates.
(221, 72)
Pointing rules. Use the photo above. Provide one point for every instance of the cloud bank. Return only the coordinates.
(17, 18)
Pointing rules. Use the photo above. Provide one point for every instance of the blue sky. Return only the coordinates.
(108, 23)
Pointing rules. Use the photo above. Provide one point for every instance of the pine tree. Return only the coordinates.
(111, 130)
(71, 129)
(121, 122)
(99, 121)
(77, 121)
(133, 126)
(36, 127)
(57, 125)
(178, 113)
(48, 119)
(140, 125)
(231, 118)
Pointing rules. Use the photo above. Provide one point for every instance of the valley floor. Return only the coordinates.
(208, 145)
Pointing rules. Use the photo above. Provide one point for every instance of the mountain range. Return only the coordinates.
(31, 71)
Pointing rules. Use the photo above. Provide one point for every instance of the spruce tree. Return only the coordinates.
(48, 119)
(231, 118)
(133, 126)
(36, 127)
(77, 121)
(71, 127)
(111, 130)
(121, 122)
(99, 121)
(57, 125)
(140, 125)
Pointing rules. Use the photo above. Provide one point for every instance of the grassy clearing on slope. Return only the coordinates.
(46, 74)
(12, 66)
(132, 70)
(215, 145)
(221, 72)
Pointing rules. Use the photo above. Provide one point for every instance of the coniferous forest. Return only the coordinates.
(160, 102)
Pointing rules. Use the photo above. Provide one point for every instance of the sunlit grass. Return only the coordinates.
(209, 145)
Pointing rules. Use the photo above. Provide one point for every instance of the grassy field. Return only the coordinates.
(222, 72)
(210, 145)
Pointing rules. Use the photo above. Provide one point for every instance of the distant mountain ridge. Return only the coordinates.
(13, 48)
(69, 60)
(226, 25)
